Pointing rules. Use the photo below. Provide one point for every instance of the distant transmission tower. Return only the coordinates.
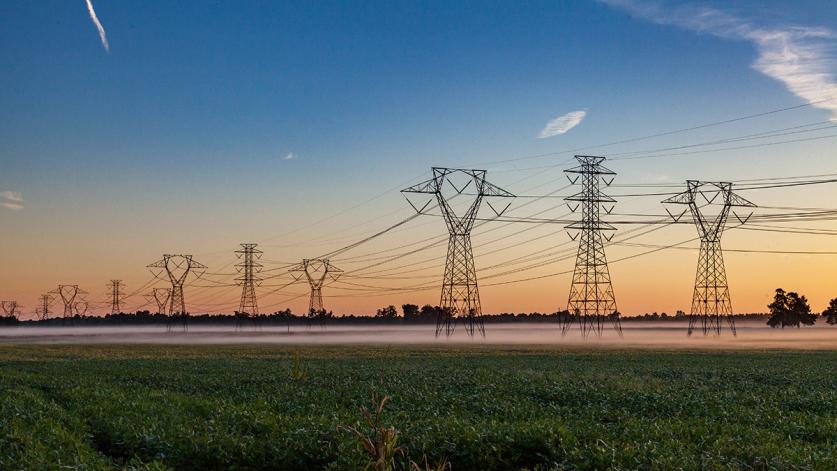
(115, 292)
(44, 309)
(460, 294)
(81, 307)
(591, 301)
(711, 298)
(316, 271)
(161, 297)
(10, 308)
(249, 268)
(73, 299)
(177, 268)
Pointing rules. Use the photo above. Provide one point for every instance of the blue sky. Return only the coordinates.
(183, 127)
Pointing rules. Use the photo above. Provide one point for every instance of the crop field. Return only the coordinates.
(470, 408)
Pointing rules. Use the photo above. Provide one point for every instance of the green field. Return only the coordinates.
(258, 407)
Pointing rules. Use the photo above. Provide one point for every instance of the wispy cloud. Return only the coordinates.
(12, 196)
(562, 124)
(102, 35)
(803, 58)
(290, 156)
(12, 200)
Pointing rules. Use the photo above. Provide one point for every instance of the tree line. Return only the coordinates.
(788, 309)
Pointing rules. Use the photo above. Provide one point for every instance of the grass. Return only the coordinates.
(260, 407)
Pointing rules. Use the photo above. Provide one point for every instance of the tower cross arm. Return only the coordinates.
(159, 263)
(490, 189)
(193, 265)
(597, 198)
(590, 165)
(595, 226)
(333, 272)
(687, 197)
(738, 201)
(430, 186)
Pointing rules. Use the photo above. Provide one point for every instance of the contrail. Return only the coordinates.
(99, 26)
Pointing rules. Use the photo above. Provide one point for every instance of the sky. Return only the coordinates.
(129, 130)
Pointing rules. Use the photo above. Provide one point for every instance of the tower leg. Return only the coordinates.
(177, 309)
(711, 302)
(591, 301)
(460, 297)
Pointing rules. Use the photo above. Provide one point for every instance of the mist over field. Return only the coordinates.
(639, 335)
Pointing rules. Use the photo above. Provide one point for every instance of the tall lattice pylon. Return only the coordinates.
(317, 271)
(161, 297)
(460, 297)
(10, 308)
(711, 300)
(116, 295)
(73, 299)
(591, 301)
(43, 310)
(177, 268)
(249, 269)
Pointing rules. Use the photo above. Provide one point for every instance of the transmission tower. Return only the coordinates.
(73, 299)
(115, 293)
(46, 302)
(249, 269)
(161, 297)
(81, 307)
(177, 268)
(591, 301)
(316, 271)
(10, 308)
(460, 294)
(711, 299)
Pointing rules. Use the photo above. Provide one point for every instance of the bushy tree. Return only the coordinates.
(322, 314)
(428, 312)
(830, 314)
(410, 311)
(286, 314)
(388, 312)
(790, 309)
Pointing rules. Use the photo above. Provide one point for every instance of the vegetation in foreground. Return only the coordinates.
(173, 407)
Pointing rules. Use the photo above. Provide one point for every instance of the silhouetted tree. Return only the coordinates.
(410, 311)
(286, 314)
(830, 313)
(789, 309)
(428, 313)
(388, 312)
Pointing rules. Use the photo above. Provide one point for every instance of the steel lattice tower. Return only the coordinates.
(460, 293)
(10, 308)
(249, 268)
(316, 271)
(73, 298)
(711, 299)
(161, 297)
(591, 301)
(43, 311)
(178, 268)
(115, 293)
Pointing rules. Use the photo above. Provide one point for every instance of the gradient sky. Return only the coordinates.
(294, 125)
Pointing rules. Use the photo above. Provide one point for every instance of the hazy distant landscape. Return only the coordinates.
(636, 335)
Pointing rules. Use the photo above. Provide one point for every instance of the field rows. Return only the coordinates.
(105, 407)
